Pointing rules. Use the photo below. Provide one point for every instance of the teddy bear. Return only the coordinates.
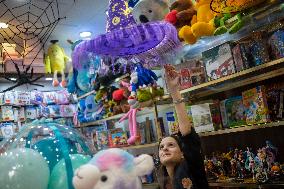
(181, 13)
(150, 10)
(202, 24)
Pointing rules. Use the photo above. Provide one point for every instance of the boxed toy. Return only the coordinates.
(102, 139)
(117, 138)
(255, 104)
(7, 113)
(239, 59)
(275, 102)
(219, 62)
(276, 43)
(223, 113)
(235, 111)
(172, 123)
(22, 98)
(7, 130)
(259, 48)
(216, 114)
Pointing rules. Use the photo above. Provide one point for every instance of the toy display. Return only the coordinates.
(276, 42)
(116, 166)
(245, 166)
(255, 104)
(150, 10)
(235, 112)
(219, 62)
(46, 148)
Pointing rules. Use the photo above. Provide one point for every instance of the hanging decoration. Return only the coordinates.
(147, 43)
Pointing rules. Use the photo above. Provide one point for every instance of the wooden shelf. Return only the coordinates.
(242, 78)
(246, 185)
(141, 146)
(243, 128)
(150, 185)
(144, 111)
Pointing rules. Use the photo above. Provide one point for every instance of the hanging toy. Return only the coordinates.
(55, 62)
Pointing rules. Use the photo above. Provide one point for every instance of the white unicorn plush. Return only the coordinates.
(113, 169)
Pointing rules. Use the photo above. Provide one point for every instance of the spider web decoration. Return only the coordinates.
(31, 23)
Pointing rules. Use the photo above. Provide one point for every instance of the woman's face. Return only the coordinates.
(169, 151)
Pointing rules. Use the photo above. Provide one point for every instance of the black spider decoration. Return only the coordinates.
(23, 78)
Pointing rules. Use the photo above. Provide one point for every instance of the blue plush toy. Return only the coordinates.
(142, 76)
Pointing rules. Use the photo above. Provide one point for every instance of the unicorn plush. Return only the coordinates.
(113, 169)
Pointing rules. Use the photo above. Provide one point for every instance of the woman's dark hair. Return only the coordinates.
(162, 174)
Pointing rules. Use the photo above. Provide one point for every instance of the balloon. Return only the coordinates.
(23, 168)
(58, 178)
(50, 149)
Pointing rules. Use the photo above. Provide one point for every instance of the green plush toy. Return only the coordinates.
(146, 94)
(225, 24)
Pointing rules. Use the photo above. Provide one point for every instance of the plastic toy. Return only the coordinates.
(113, 169)
(55, 61)
(150, 10)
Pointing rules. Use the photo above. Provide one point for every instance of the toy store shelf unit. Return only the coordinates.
(252, 75)
(246, 185)
(145, 111)
(242, 129)
(151, 186)
(141, 146)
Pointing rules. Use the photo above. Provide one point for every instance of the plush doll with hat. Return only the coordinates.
(113, 169)
(150, 10)
(55, 62)
(181, 13)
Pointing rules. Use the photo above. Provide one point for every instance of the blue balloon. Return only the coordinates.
(23, 168)
(51, 150)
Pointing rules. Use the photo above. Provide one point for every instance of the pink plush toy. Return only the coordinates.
(131, 115)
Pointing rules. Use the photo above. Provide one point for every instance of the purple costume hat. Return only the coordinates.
(148, 43)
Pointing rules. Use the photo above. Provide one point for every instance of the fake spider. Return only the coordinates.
(23, 78)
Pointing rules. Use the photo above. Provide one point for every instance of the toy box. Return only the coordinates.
(235, 111)
(102, 139)
(201, 117)
(172, 123)
(219, 62)
(22, 98)
(216, 114)
(259, 48)
(31, 113)
(239, 60)
(7, 130)
(255, 103)
(117, 138)
(276, 43)
(7, 113)
(275, 102)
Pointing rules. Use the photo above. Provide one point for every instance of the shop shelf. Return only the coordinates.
(245, 185)
(252, 75)
(243, 128)
(150, 186)
(141, 146)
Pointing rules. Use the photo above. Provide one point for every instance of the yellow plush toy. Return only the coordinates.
(55, 62)
(201, 25)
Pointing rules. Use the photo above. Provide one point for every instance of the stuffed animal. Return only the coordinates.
(55, 61)
(113, 169)
(201, 25)
(181, 13)
(150, 10)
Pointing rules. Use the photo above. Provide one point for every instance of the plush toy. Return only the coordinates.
(55, 61)
(231, 27)
(150, 10)
(181, 13)
(113, 169)
(201, 25)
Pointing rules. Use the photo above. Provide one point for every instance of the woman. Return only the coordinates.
(180, 155)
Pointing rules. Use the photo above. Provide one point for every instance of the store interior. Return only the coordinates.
(80, 79)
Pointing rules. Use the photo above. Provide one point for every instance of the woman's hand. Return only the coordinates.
(172, 78)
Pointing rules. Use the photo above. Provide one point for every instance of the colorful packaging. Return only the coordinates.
(22, 98)
(36, 97)
(7, 113)
(54, 111)
(117, 138)
(258, 49)
(216, 115)
(255, 104)
(2, 99)
(235, 111)
(31, 113)
(1, 118)
(49, 98)
(238, 58)
(62, 97)
(172, 123)
(223, 113)
(7, 130)
(218, 62)
(201, 117)
(276, 43)
(275, 102)
(21, 114)
(68, 110)
(185, 80)
(9, 97)
(102, 139)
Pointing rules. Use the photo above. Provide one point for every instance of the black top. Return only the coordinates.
(192, 169)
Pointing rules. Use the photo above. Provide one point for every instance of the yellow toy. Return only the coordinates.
(55, 62)
(201, 25)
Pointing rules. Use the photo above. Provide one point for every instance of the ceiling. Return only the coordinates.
(81, 15)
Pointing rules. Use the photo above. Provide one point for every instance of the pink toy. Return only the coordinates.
(125, 84)
(131, 115)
